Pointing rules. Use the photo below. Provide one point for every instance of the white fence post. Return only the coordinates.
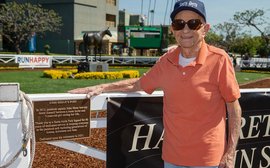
(10, 127)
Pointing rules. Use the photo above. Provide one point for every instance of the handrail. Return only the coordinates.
(10, 58)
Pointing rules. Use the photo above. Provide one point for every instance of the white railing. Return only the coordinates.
(7, 58)
(255, 63)
(142, 60)
(10, 58)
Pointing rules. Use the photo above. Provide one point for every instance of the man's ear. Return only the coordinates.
(206, 29)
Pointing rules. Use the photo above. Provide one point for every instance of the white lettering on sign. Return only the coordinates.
(247, 157)
(147, 138)
(244, 157)
(266, 157)
(253, 124)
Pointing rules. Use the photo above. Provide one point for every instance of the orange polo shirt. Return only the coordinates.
(194, 104)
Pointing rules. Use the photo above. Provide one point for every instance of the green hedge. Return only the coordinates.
(9, 65)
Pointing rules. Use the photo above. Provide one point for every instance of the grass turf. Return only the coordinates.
(34, 82)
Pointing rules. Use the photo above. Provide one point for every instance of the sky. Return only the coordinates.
(217, 11)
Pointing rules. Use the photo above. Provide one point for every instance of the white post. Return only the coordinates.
(10, 127)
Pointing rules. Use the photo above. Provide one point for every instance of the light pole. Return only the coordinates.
(148, 17)
(1, 37)
(153, 19)
(142, 8)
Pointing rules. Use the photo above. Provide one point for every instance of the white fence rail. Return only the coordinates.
(9, 58)
(142, 60)
(255, 63)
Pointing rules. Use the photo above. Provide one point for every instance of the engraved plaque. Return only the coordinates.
(61, 119)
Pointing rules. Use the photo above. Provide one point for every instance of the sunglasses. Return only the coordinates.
(193, 24)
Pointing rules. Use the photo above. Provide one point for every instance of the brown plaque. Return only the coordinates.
(61, 119)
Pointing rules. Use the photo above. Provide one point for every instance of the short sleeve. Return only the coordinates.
(228, 84)
(151, 80)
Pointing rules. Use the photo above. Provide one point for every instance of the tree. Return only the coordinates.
(20, 21)
(263, 50)
(256, 19)
(229, 32)
(246, 45)
(214, 39)
(171, 39)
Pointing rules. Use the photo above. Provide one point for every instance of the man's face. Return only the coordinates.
(187, 37)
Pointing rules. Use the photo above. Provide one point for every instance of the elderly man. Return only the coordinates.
(199, 85)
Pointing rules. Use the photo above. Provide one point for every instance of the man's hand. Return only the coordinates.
(227, 160)
(128, 85)
(90, 91)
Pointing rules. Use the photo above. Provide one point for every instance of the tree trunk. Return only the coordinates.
(17, 49)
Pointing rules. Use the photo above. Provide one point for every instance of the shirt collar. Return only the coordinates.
(202, 54)
(174, 55)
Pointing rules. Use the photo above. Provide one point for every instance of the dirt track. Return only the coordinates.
(48, 156)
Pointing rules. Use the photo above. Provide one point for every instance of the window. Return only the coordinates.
(110, 20)
(112, 2)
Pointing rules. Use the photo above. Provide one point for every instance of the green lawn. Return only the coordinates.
(33, 82)
(244, 77)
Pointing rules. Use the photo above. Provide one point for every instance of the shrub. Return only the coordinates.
(90, 75)
(9, 66)
(65, 65)
(47, 48)
(55, 74)
(130, 74)
(113, 75)
(58, 74)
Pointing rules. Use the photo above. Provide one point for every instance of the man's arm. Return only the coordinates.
(128, 85)
(234, 125)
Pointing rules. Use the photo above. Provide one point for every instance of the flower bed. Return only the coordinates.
(58, 74)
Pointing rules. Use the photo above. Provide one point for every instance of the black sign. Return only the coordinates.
(135, 132)
(253, 149)
(1, 37)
